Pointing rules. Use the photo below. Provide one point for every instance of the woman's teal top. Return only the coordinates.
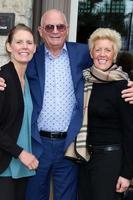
(16, 169)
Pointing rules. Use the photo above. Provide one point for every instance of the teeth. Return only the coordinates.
(55, 37)
(102, 61)
(23, 53)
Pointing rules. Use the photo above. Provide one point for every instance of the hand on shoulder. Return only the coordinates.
(127, 94)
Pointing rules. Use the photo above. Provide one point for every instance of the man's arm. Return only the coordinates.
(127, 94)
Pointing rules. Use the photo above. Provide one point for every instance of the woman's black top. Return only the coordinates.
(110, 120)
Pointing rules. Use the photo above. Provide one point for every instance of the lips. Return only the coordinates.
(55, 37)
(102, 61)
(24, 53)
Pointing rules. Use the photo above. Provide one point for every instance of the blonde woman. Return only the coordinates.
(109, 122)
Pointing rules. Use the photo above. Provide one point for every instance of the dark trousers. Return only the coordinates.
(129, 194)
(64, 173)
(12, 189)
(98, 177)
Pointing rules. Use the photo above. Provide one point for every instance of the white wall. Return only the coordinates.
(73, 21)
(23, 14)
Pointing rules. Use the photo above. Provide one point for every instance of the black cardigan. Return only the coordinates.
(11, 115)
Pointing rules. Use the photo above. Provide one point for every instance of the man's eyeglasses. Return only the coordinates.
(49, 28)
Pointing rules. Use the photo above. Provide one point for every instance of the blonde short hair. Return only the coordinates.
(106, 33)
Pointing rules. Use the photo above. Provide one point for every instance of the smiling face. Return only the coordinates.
(103, 54)
(55, 38)
(22, 47)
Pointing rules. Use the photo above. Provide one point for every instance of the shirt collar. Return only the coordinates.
(64, 50)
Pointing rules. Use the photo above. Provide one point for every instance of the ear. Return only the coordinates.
(91, 54)
(34, 49)
(8, 47)
(114, 59)
(40, 31)
(67, 30)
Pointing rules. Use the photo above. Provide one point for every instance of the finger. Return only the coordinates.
(2, 88)
(2, 80)
(128, 99)
(32, 167)
(129, 94)
(36, 161)
(29, 167)
(130, 83)
(118, 184)
(34, 164)
(2, 84)
(122, 189)
(129, 90)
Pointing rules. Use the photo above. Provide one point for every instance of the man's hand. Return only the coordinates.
(127, 94)
(2, 84)
(122, 184)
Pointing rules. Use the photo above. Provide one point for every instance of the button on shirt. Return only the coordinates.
(59, 98)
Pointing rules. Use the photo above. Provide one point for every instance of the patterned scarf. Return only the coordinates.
(78, 149)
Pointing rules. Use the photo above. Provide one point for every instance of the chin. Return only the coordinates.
(103, 67)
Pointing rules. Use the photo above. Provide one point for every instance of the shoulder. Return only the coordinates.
(80, 52)
(9, 73)
(78, 49)
(77, 45)
(113, 87)
(39, 51)
(40, 48)
(6, 70)
(120, 85)
(5, 67)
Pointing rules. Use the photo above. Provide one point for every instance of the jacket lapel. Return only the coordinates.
(76, 70)
(40, 59)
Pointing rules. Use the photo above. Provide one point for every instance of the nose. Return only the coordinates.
(102, 52)
(55, 29)
(24, 45)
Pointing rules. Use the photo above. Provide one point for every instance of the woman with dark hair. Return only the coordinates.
(16, 160)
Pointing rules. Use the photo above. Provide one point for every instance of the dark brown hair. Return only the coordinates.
(16, 28)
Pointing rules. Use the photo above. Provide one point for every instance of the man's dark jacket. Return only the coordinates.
(79, 59)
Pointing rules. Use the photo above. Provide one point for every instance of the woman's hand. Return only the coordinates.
(122, 184)
(28, 159)
(127, 94)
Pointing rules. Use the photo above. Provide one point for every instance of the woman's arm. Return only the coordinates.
(127, 94)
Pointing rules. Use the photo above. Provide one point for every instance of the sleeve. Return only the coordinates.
(7, 143)
(126, 122)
